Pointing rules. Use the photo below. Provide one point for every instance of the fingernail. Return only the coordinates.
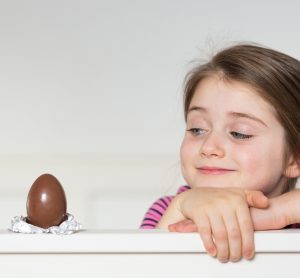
(248, 255)
(235, 259)
(212, 251)
(171, 228)
(223, 260)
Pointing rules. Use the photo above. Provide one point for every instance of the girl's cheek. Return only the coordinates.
(187, 157)
(186, 161)
(188, 150)
(250, 158)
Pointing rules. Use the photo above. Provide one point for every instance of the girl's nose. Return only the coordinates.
(212, 146)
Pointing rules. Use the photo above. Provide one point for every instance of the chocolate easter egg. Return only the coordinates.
(46, 202)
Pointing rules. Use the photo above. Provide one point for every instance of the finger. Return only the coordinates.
(247, 232)
(220, 237)
(256, 199)
(172, 227)
(234, 236)
(204, 228)
(179, 226)
(184, 226)
(187, 226)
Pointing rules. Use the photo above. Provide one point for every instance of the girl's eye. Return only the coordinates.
(240, 136)
(196, 131)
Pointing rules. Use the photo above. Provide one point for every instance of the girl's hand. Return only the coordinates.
(222, 218)
(263, 211)
(282, 211)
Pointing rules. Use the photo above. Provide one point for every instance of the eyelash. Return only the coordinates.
(240, 136)
(234, 134)
(195, 131)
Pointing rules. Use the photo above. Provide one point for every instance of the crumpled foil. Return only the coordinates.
(69, 226)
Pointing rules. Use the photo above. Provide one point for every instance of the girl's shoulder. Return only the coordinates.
(183, 188)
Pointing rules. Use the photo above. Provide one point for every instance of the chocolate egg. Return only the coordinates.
(46, 202)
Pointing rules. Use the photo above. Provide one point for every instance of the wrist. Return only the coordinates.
(182, 202)
(291, 206)
(172, 214)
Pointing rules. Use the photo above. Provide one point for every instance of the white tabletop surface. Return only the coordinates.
(134, 241)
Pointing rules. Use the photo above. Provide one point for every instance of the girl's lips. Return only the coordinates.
(214, 171)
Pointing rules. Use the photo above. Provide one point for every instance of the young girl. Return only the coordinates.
(240, 153)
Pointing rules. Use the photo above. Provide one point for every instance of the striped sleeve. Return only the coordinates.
(183, 188)
(155, 212)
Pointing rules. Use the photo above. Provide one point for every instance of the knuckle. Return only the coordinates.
(241, 201)
(204, 230)
(234, 233)
(246, 222)
(220, 236)
(237, 191)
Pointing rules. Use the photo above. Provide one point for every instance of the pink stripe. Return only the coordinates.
(159, 207)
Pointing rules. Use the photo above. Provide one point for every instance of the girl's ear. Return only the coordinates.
(293, 168)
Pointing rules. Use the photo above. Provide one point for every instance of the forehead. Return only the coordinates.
(218, 95)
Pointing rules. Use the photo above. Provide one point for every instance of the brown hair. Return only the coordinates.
(276, 77)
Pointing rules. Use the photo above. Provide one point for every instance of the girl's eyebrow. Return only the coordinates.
(231, 113)
(248, 116)
(196, 108)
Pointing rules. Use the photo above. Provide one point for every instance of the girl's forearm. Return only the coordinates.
(282, 211)
(290, 204)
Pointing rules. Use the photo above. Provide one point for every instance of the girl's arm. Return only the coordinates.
(282, 211)
(222, 218)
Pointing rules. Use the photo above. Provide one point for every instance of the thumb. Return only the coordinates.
(184, 226)
(256, 199)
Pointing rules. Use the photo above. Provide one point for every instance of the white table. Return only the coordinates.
(137, 253)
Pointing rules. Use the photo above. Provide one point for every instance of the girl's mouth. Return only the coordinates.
(214, 170)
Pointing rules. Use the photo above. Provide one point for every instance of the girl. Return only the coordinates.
(240, 153)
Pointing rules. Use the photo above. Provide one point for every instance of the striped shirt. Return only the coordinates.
(158, 208)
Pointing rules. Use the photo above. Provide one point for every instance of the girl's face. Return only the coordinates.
(233, 139)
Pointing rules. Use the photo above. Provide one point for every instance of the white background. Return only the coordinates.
(91, 92)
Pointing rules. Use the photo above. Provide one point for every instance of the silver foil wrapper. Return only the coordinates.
(69, 226)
